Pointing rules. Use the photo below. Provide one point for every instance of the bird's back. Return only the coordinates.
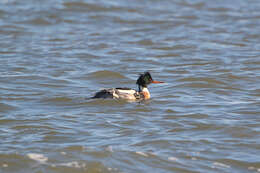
(118, 93)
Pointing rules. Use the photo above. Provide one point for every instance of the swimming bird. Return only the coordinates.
(130, 94)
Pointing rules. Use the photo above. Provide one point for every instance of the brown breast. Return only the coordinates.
(146, 95)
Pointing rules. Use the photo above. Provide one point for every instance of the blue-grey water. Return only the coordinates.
(56, 54)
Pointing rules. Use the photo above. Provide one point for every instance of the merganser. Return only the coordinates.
(130, 94)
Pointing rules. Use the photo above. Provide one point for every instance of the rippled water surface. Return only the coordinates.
(56, 54)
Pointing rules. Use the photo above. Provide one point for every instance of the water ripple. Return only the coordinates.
(57, 54)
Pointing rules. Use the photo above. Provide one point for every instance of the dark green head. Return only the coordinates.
(144, 79)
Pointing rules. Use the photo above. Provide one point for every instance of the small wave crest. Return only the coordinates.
(38, 157)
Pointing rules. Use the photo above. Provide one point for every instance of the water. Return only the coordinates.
(55, 54)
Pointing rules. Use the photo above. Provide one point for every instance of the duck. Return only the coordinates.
(142, 93)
